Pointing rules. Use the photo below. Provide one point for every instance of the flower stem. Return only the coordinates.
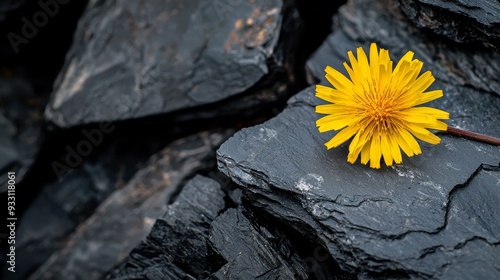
(473, 135)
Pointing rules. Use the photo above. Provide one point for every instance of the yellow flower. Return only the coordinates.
(377, 106)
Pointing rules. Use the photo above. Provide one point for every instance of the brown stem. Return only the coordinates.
(473, 135)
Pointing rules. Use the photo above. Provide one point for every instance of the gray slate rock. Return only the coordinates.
(249, 251)
(206, 235)
(411, 218)
(177, 247)
(361, 22)
(9, 155)
(61, 206)
(462, 21)
(125, 217)
(131, 60)
(21, 131)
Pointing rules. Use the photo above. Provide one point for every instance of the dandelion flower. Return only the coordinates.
(376, 107)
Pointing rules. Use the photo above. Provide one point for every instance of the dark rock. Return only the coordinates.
(9, 155)
(126, 215)
(456, 69)
(203, 236)
(462, 21)
(177, 246)
(20, 126)
(401, 218)
(131, 60)
(54, 215)
(60, 208)
(409, 220)
(248, 252)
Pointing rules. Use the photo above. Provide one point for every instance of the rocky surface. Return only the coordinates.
(126, 63)
(456, 69)
(463, 21)
(20, 125)
(207, 233)
(409, 220)
(164, 70)
(120, 221)
(9, 155)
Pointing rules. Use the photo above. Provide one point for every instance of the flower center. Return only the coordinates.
(379, 113)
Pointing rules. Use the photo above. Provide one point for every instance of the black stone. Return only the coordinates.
(456, 69)
(207, 235)
(118, 224)
(53, 215)
(20, 127)
(464, 21)
(131, 60)
(177, 245)
(401, 221)
(373, 221)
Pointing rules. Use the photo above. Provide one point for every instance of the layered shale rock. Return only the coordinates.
(463, 21)
(207, 234)
(130, 59)
(412, 219)
(409, 220)
(20, 125)
(121, 220)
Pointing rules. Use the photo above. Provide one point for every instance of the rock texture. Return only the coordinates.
(456, 69)
(463, 21)
(9, 155)
(20, 125)
(124, 218)
(412, 220)
(207, 234)
(58, 210)
(408, 220)
(131, 60)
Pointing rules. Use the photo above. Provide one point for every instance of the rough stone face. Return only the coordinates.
(9, 155)
(409, 220)
(205, 234)
(412, 219)
(177, 245)
(124, 217)
(462, 21)
(456, 69)
(56, 212)
(20, 127)
(130, 60)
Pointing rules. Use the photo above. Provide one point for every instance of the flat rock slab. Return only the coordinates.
(411, 218)
(206, 235)
(361, 22)
(21, 132)
(405, 220)
(124, 218)
(464, 21)
(130, 59)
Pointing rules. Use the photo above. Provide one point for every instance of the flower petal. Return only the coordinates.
(341, 137)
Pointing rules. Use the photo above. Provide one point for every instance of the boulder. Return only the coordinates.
(463, 21)
(409, 220)
(120, 222)
(208, 233)
(131, 60)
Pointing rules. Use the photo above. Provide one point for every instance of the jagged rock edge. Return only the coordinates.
(266, 190)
